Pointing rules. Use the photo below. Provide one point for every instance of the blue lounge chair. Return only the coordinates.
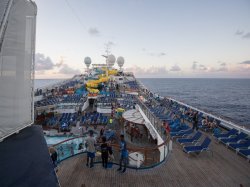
(180, 128)
(236, 139)
(198, 148)
(245, 153)
(182, 133)
(226, 135)
(235, 146)
(195, 138)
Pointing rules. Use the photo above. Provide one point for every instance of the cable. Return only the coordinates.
(75, 14)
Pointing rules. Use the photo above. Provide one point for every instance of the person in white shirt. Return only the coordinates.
(90, 144)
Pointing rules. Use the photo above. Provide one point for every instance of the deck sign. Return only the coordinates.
(17, 49)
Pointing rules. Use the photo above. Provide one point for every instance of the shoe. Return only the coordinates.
(87, 165)
(123, 171)
(119, 169)
(91, 166)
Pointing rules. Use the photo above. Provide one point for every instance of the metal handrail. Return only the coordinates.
(150, 154)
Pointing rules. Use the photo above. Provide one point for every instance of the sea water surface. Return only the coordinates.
(40, 83)
(227, 98)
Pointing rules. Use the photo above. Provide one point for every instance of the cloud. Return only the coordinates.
(242, 34)
(175, 68)
(157, 54)
(43, 63)
(60, 63)
(238, 32)
(245, 62)
(247, 35)
(202, 67)
(68, 70)
(223, 68)
(162, 54)
(93, 31)
(197, 66)
(156, 70)
(148, 72)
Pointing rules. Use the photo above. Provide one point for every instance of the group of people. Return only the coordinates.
(134, 131)
(106, 151)
(210, 124)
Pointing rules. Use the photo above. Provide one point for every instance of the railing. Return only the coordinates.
(155, 121)
(225, 123)
(139, 158)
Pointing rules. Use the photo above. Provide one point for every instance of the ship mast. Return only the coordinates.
(107, 50)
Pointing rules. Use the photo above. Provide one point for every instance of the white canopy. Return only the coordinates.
(133, 116)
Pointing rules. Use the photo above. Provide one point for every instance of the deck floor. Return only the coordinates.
(224, 168)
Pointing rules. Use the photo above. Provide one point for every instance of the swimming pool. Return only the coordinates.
(51, 140)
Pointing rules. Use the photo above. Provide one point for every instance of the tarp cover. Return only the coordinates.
(25, 161)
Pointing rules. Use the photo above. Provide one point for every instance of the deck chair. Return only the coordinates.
(198, 148)
(226, 135)
(180, 128)
(236, 139)
(182, 133)
(195, 138)
(236, 146)
(245, 153)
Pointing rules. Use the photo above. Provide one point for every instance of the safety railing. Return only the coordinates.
(155, 121)
(139, 158)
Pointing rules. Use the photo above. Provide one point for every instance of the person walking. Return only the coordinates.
(111, 121)
(124, 154)
(53, 156)
(105, 152)
(195, 121)
(90, 144)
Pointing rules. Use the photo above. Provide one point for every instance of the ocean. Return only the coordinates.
(40, 83)
(228, 98)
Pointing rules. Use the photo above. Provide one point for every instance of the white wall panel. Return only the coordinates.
(17, 68)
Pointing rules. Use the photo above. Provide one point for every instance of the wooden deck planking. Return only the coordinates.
(224, 168)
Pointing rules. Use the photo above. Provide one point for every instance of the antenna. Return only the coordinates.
(107, 48)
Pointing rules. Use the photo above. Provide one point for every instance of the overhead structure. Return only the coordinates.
(120, 61)
(87, 61)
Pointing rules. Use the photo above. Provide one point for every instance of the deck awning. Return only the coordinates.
(134, 116)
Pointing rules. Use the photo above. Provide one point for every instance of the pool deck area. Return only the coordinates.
(223, 168)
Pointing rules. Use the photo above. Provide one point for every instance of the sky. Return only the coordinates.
(158, 39)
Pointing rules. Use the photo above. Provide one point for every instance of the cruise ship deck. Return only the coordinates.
(222, 168)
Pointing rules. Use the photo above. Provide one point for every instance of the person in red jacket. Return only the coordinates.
(166, 126)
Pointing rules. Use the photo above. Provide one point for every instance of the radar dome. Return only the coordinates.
(120, 61)
(87, 61)
(111, 60)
